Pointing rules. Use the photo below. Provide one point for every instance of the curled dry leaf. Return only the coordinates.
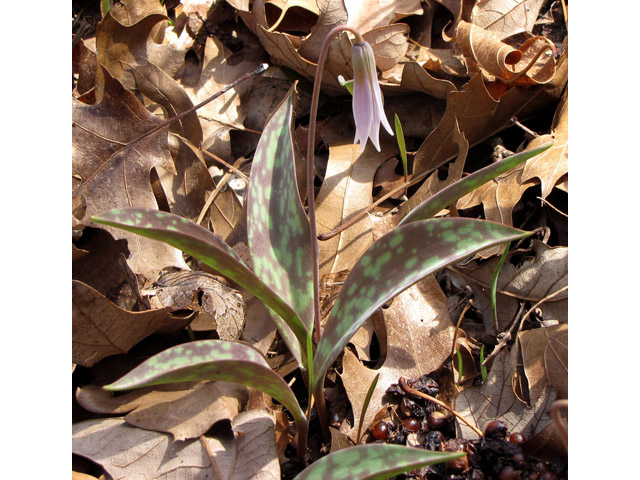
(506, 17)
(202, 292)
(531, 64)
(418, 341)
(101, 328)
(495, 399)
(185, 410)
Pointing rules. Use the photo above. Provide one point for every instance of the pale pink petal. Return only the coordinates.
(368, 111)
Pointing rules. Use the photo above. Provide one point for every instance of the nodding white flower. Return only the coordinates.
(368, 111)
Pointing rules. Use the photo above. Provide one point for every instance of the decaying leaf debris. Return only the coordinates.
(471, 82)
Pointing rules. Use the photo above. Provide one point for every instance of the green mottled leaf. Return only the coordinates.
(213, 251)
(372, 462)
(277, 225)
(448, 195)
(220, 360)
(395, 262)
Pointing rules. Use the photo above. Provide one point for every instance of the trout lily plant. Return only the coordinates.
(283, 249)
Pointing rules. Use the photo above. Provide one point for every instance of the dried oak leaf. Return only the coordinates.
(552, 166)
(545, 362)
(418, 340)
(121, 47)
(252, 454)
(202, 292)
(128, 452)
(506, 17)
(129, 12)
(101, 329)
(481, 115)
(540, 272)
(495, 399)
(185, 410)
(533, 63)
(111, 172)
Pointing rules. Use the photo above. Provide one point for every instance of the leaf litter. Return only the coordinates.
(470, 78)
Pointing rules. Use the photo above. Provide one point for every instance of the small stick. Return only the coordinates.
(227, 165)
(508, 336)
(332, 233)
(414, 392)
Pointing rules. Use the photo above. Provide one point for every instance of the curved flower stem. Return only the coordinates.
(320, 403)
(310, 171)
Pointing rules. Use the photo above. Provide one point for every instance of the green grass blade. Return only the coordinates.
(365, 405)
(403, 149)
(277, 225)
(375, 461)
(214, 360)
(448, 195)
(483, 369)
(395, 262)
(211, 250)
(494, 288)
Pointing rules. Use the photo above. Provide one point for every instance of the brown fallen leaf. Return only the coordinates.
(201, 292)
(346, 190)
(495, 399)
(101, 269)
(506, 17)
(187, 190)
(101, 329)
(252, 454)
(365, 16)
(128, 452)
(552, 166)
(218, 68)
(109, 172)
(130, 13)
(415, 77)
(544, 353)
(123, 46)
(418, 341)
(480, 115)
(533, 63)
(185, 410)
(541, 271)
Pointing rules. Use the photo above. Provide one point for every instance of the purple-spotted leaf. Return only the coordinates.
(449, 195)
(213, 251)
(220, 360)
(277, 225)
(394, 263)
(373, 461)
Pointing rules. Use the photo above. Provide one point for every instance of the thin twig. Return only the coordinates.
(261, 68)
(508, 336)
(227, 165)
(552, 206)
(223, 181)
(412, 391)
(332, 233)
